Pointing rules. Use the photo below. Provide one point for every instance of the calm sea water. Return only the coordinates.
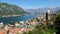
(7, 20)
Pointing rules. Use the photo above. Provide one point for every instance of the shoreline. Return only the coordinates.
(11, 15)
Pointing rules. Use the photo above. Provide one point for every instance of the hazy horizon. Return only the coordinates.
(32, 4)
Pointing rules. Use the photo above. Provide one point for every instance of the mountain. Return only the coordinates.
(42, 10)
(9, 9)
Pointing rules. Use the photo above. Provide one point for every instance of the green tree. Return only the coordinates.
(57, 20)
(8, 32)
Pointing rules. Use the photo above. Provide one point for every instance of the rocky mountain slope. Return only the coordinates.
(8, 9)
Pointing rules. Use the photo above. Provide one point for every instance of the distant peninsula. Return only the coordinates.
(10, 10)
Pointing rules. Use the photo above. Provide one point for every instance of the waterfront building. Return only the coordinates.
(1, 24)
(27, 21)
(22, 22)
(16, 24)
(6, 27)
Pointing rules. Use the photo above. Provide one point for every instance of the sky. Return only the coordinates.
(28, 4)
